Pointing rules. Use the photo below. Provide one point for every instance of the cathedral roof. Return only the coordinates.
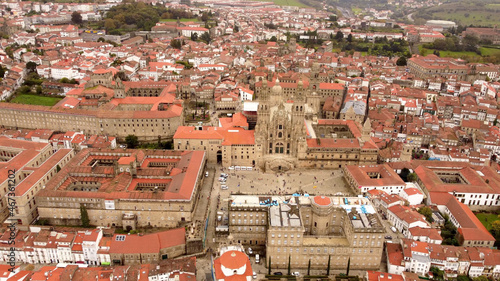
(276, 89)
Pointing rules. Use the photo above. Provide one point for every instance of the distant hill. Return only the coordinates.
(475, 12)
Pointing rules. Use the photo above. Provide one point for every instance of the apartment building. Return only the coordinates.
(43, 245)
(362, 179)
(418, 257)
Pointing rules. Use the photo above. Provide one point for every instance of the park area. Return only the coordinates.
(35, 100)
(470, 56)
(487, 219)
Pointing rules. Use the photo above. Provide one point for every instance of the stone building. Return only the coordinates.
(105, 106)
(288, 134)
(432, 66)
(309, 228)
(128, 188)
(27, 167)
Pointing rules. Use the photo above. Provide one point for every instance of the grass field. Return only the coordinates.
(356, 10)
(478, 13)
(487, 219)
(36, 100)
(462, 55)
(181, 20)
(295, 3)
(489, 51)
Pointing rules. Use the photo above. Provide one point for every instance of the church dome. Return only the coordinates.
(300, 84)
(276, 89)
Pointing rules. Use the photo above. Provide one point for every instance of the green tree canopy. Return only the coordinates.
(427, 212)
(76, 18)
(31, 66)
(132, 141)
(84, 216)
(206, 37)
(401, 61)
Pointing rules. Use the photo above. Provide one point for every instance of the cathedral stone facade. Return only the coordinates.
(289, 134)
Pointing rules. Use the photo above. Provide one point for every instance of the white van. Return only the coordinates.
(257, 258)
(394, 229)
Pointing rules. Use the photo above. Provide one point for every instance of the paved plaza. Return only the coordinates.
(312, 182)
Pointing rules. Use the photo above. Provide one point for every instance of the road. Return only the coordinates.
(347, 13)
(410, 17)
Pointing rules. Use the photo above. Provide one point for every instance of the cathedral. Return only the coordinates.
(289, 133)
(280, 132)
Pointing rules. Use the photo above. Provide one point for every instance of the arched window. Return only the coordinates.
(279, 148)
(280, 135)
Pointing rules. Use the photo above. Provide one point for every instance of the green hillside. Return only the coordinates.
(476, 12)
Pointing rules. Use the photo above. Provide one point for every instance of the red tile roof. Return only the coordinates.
(151, 243)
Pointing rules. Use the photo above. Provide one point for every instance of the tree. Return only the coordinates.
(289, 266)
(109, 24)
(206, 37)
(269, 266)
(31, 66)
(463, 278)
(328, 266)
(204, 16)
(236, 29)
(412, 177)
(349, 37)
(76, 18)
(438, 274)
(176, 44)
(339, 36)
(401, 61)
(273, 39)
(480, 278)
(427, 212)
(194, 36)
(84, 216)
(132, 141)
(309, 268)
(348, 266)
(2, 71)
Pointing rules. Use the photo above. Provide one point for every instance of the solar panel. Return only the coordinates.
(120, 238)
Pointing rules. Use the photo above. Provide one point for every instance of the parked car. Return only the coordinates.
(388, 237)
(223, 187)
(257, 258)
(394, 229)
(222, 179)
(206, 174)
(295, 273)
(223, 175)
(254, 275)
(250, 251)
(278, 273)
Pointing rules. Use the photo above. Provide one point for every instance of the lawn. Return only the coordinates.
(489, 51)
(487, 219)
(485, 52)
(35, 100)
(181, 20)
(450, 54)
